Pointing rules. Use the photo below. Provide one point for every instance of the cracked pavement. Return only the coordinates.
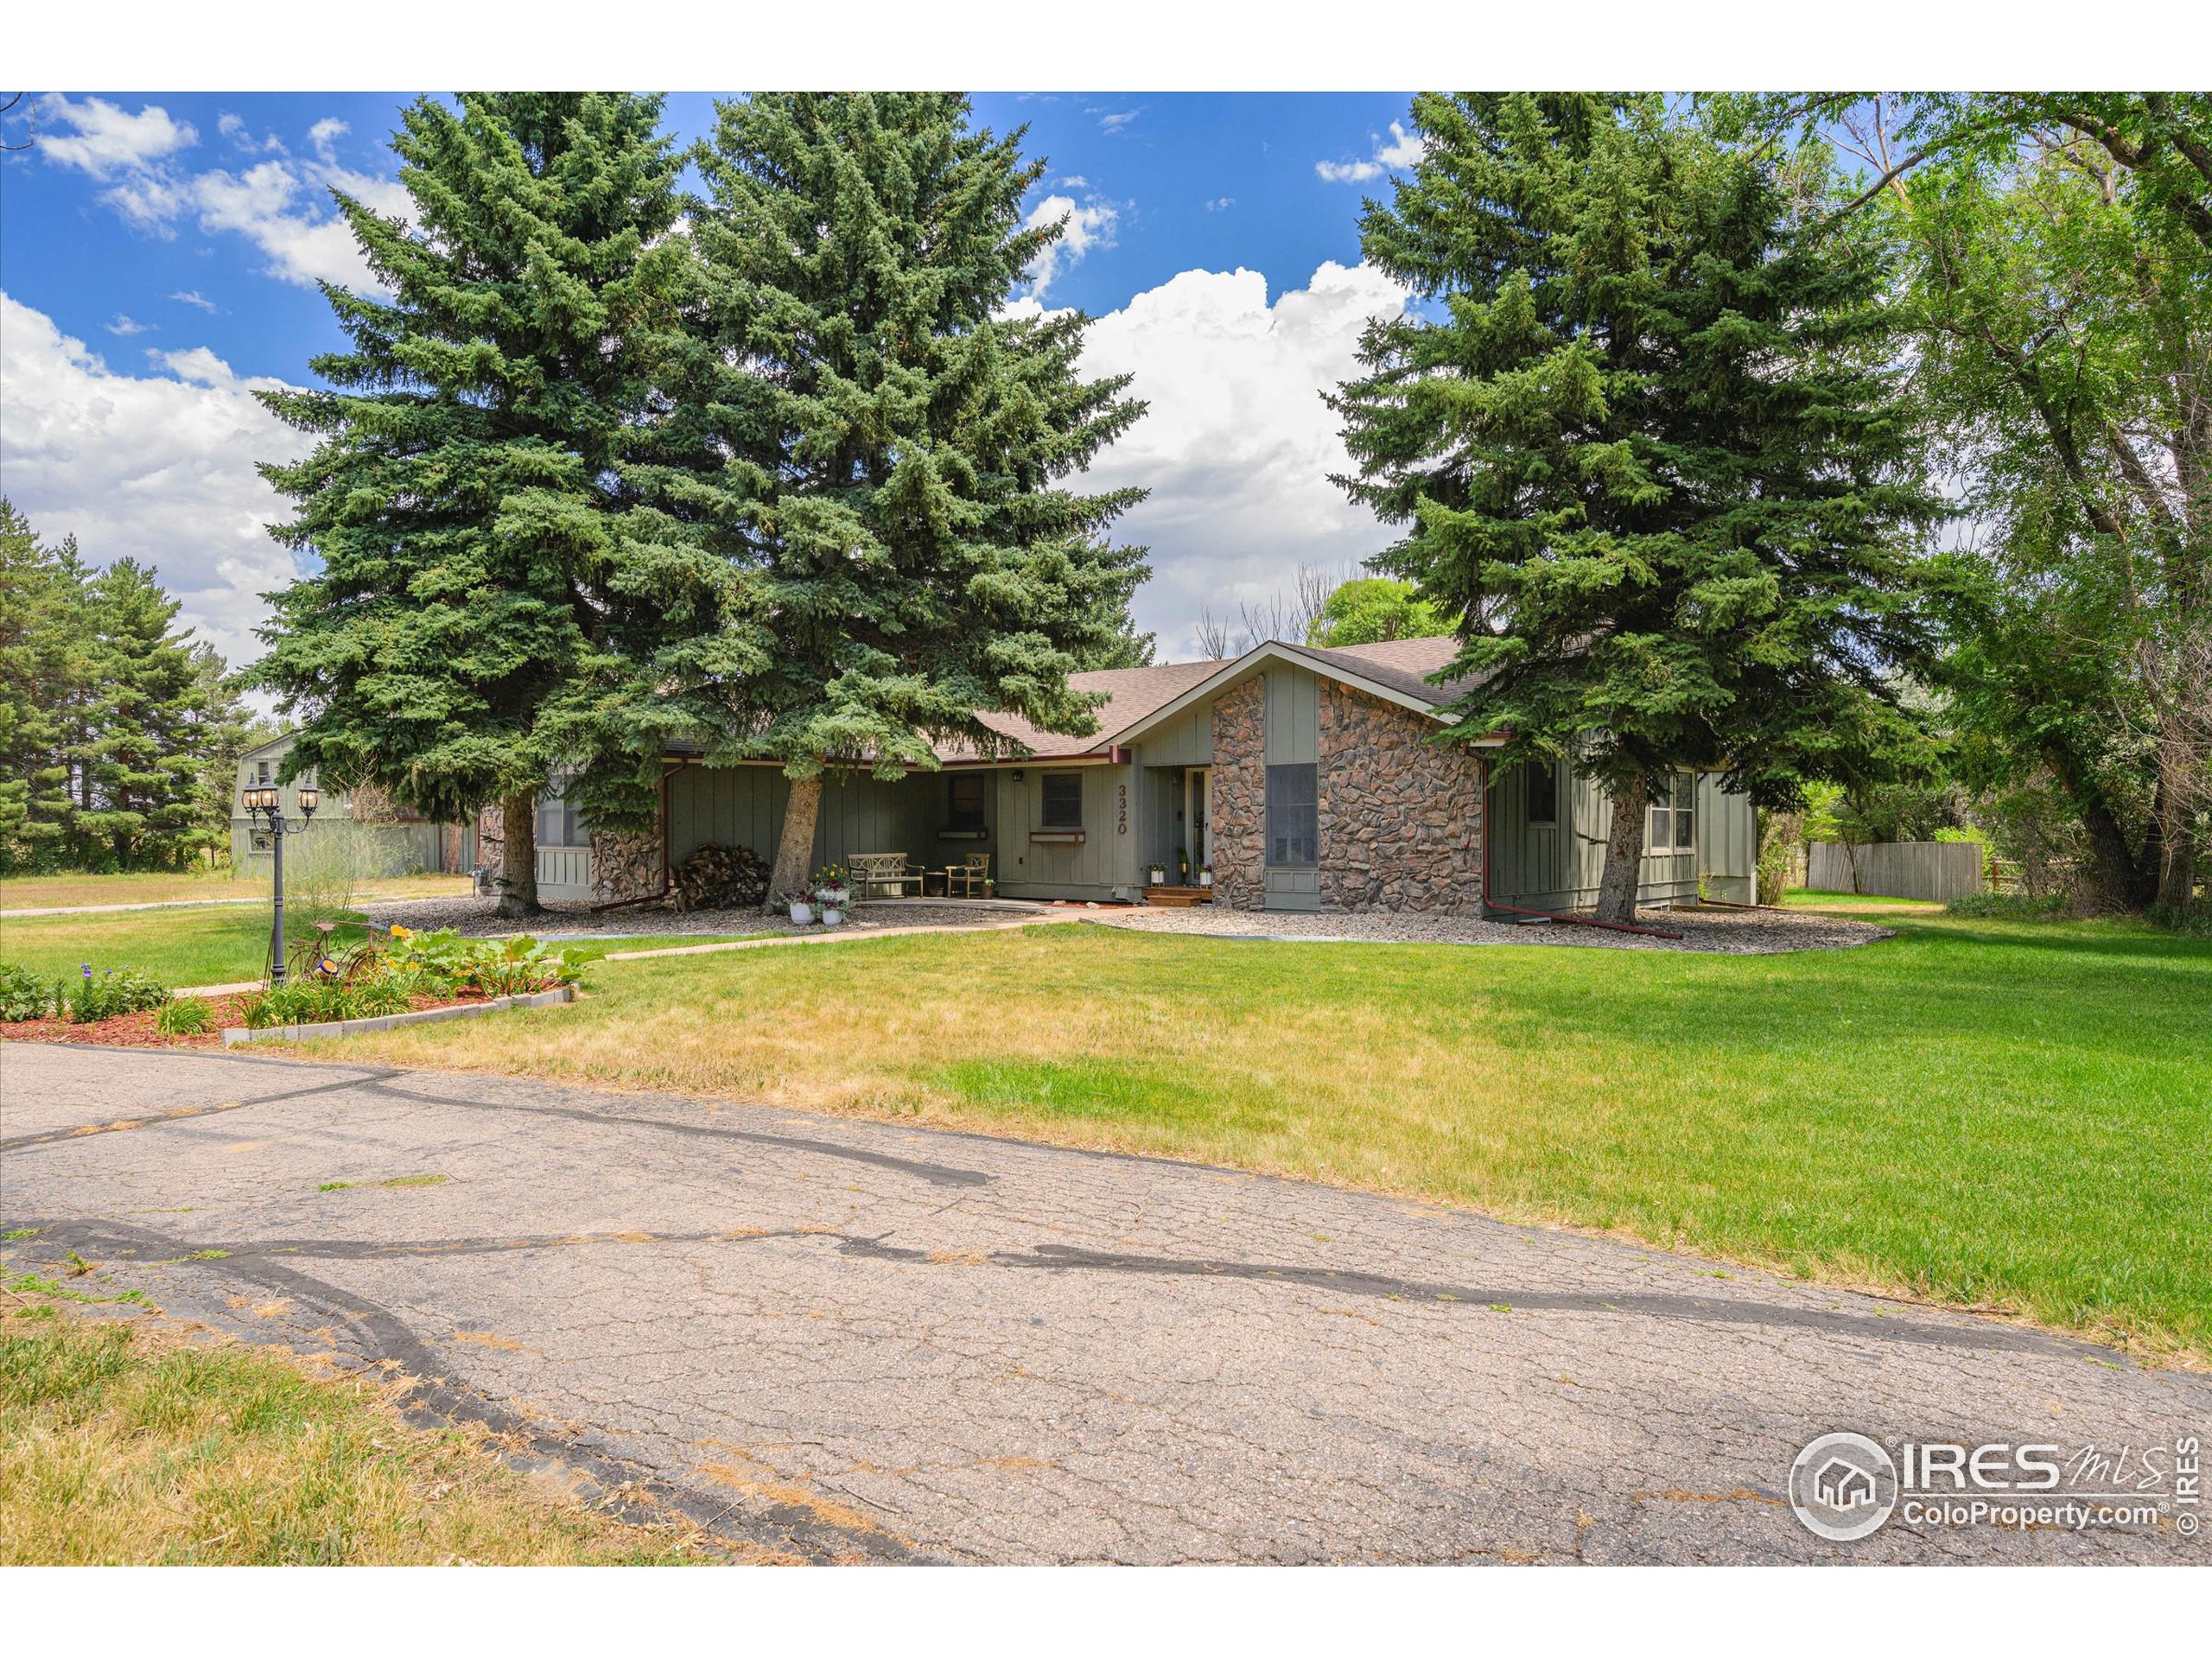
(857, 1341)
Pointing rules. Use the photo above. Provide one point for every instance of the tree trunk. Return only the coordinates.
(519, 858)
(795, 845)
(1623, 854)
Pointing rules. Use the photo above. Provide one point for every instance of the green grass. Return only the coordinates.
(1988, 1113)
(197, 947)
(193, 887)
(178, 947)
(121, 1443)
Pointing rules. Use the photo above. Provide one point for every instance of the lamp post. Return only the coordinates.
(267, 803)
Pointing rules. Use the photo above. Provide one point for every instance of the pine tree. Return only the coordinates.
(1648, 444)
(45, 672)
(489, 558)
(143, 806)
(899, 555)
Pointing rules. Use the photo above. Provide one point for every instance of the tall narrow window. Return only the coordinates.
(1673, 814)
(1063, 800)
(963, 801)
(1293, 836)
(1543, 793)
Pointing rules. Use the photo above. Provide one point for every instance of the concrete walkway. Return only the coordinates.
(853, 1340)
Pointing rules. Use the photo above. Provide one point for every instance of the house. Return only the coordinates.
(1301, 775)
(397, 841)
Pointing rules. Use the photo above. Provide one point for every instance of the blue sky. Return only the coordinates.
(169, 242)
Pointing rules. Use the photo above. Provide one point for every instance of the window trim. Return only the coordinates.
(1682, 799)
(1311, 805)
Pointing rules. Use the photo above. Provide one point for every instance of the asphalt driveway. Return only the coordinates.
(860, 1341)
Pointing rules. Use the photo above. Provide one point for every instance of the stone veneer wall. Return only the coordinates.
(1401, 818)
(626, 864)
(1240, 796)
(491, 848)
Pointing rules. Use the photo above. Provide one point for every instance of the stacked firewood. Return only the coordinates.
(720, 878)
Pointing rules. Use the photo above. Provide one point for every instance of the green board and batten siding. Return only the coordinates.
(1557, 865)
(1104, 860)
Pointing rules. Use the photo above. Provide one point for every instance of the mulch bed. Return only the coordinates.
(137, 1030)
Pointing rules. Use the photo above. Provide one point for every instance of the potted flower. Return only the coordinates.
(1156, 875)
(830, 886)
(833, 908)
(802, 907)
(1205, 875)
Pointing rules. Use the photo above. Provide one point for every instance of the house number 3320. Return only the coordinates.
(1121, 810)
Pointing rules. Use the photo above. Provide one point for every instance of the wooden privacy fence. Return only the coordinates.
(1938, 871)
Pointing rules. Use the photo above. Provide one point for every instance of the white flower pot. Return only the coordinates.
(832, 916)
(1205, 877)
(802, 913)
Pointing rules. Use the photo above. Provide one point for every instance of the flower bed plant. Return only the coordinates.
(401, 973)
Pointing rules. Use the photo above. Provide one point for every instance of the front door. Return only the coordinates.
(1198, 812)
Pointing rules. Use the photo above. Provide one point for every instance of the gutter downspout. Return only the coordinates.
(1491, 904)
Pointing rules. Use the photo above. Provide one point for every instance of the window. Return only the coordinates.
(1543, 793)
(261, 772)
(1293, 835)
(1674, 815)
(1063, 800)
(963, 801)
(559, 824)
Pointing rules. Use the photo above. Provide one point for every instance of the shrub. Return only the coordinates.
(119, 990)
(2192, 924)
(2012, 906)
(24, 994)
(185, 1016)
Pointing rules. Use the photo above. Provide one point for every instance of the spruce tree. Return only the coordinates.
(150, 728)
(1647, 441)
(45, 675)
(897, 550)
(488, 558)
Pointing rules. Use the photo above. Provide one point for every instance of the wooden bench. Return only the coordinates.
(880, 876)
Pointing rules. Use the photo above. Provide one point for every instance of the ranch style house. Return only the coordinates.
(1300, 776)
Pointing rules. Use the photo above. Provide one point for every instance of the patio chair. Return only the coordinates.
(970, 878)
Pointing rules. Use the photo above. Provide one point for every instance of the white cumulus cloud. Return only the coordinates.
(105, 140)
(1089, 224)
(1403, 149)
(1237, 446)
(160, 467)
(282, 204)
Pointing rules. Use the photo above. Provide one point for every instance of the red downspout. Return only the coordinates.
(1490, 904)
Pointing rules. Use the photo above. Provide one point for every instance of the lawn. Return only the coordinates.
(203, 946)
(1999, 1113)
(122, 1443)
(44, 892)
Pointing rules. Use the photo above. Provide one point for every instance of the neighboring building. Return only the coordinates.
(400, 843)
(1302, 774)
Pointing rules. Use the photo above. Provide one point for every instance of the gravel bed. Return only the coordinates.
(472, 916)
(1739, 932)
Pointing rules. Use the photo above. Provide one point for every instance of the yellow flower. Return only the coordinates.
(402, 932)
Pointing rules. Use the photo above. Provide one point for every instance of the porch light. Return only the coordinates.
(310, 799)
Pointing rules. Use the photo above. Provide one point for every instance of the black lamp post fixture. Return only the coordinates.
(267, 803)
